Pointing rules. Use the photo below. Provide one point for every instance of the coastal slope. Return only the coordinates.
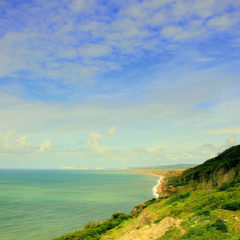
(201, 203)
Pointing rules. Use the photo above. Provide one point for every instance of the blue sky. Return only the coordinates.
(118, 83)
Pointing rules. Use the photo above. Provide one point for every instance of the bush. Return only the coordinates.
(220, 225)
(204, 233)
(203, 213)
(179, 197)
(224, 187)
(158, 220)
(172, 233)
(121, 216)
(232, 206)
(228, 185)
(214, 202)
(93, 231)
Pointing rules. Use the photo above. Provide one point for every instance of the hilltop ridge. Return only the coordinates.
(223, 163)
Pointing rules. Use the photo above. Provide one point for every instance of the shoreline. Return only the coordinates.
(160, 189)
(157, 189)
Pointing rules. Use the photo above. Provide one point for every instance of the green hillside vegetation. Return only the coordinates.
(206, 206)
(214, 169)
(93, 231)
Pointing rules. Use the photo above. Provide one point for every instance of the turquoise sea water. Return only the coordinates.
(43, 204)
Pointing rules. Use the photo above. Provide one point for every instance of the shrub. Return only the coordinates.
(204, 233)
(121, 216)
(203, 213)
(158, 220)
(228, 185)
(138, 209)
(179, 197)
(93, 231)
(172, 233)
(220, 225)
(224, 187)
(232, 206)
(214, 202)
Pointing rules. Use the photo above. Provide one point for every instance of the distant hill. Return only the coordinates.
(175, 166)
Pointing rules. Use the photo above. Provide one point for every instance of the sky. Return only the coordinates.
(116, 84)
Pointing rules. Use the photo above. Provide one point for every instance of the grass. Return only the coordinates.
(203, 215)
(93, 231)
(172, 233)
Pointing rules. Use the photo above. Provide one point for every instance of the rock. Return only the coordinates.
(154, 231)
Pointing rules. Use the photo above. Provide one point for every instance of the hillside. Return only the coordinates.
(201, 204)
(175, 166)
(223, 168)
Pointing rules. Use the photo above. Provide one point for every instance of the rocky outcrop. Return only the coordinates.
(139, 208)
(165, 190)
(153, 231)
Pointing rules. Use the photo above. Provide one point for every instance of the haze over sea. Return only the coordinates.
(43, 204)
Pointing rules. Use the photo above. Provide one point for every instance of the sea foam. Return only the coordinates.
(155, 188)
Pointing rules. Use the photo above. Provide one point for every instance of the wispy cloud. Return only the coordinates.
(225, 130)
(45, 145)
(12, 143)
(95, 135)
(111, 131)
(74, 41)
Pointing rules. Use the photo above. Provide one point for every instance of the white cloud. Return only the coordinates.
(204, 8)
(231, 141)
(153, 149)
(225, 130)
(74, 168)
(95, 135)
(171, 31)
(7, 138)
(111, 131)
(22, 139)
(45, 145)
(210, 150)
(178, 33)
(82, 5)
(93, 146)
(158, 18)
(155, 4)
(94, 50)
(203, 59)
(12, 143)
(224, 21)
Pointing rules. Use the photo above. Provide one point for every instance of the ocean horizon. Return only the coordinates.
(43, 204)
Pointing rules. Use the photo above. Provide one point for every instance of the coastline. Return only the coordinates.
(158, 188)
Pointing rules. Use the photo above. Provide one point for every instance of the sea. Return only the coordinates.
(44, 204)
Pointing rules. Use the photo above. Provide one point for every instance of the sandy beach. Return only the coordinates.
(157, 190)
